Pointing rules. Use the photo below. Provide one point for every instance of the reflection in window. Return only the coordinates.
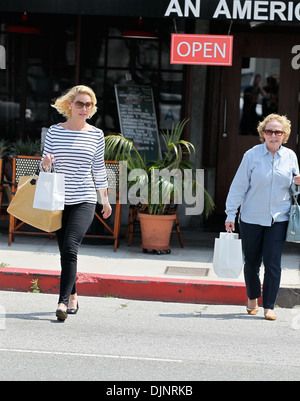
(147, 54)
(171, 97)
(36, 73)
(259, 92)
(118, 53)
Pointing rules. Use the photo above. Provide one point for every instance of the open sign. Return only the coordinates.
(201, 49)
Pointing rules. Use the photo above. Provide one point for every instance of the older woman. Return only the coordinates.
(262, 188)
(77, 150)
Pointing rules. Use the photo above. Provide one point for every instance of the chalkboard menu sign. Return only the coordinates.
(138, 118)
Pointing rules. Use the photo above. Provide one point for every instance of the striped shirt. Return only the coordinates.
(79, 155)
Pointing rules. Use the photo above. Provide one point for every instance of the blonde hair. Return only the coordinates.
(62, 106)
(286, 126)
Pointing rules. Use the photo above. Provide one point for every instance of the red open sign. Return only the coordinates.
(201, 49)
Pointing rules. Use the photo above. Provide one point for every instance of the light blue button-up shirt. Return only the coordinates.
(262, 185)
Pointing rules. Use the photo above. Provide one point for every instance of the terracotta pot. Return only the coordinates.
(156, 231)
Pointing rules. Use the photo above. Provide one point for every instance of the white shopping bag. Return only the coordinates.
(50, 191)
(228, 256)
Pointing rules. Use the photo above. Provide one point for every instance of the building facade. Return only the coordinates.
(51, 46)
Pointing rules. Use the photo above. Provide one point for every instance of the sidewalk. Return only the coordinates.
(185, 275)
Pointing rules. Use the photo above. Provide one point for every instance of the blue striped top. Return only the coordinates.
(79, 155)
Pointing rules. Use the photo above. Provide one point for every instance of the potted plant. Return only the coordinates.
(152, 186)
(26, 148)
(4, 147)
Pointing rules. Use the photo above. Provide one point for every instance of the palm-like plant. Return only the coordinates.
(27, 148)
(153, 199)
(4, 147)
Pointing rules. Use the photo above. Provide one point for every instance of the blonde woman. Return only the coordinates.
(77, 149)
(261, 187)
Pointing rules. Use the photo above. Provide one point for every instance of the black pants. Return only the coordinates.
(75, 223)
(263, 244)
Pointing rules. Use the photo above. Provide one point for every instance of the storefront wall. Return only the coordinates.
(68, 50)
(263, 79)
(73, 47)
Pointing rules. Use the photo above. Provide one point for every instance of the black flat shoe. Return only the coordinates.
(61, 315)
(73, 311)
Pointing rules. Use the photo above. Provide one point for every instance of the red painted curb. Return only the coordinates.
(12, 279)
(138, 288)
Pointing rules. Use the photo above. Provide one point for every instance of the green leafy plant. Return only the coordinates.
(4, 147)
(27, 147)
(35, 286)
(175, 158)
(2, 264)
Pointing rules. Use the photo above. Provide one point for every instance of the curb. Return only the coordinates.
(140, 288)
(128, 287)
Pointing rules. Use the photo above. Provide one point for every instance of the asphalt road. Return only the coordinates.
(120, 340)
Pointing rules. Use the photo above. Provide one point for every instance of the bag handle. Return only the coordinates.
(37, 172)
(52, 168)
(295, 197)
(296, 189)
(229, 235)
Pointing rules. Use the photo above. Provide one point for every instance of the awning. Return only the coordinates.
(236, 10)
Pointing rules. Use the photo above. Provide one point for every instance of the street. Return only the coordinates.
(120, 340)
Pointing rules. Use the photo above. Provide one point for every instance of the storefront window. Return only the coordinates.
(118, 53)
(12, 83)
(147, 54)
(90, 50)
(170, 99)
(259, 92)
(110, 120)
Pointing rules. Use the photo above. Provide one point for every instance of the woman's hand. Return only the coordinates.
(297, 179)
(106, 210)
(229, 226)
(48, 160)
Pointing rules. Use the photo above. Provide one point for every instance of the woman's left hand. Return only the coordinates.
(106, 210)
(297, 179)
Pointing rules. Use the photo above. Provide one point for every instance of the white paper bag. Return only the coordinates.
(50, 192)
(228, 256)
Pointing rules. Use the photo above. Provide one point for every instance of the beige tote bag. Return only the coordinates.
(21, 207)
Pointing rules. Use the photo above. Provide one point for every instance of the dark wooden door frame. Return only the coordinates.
(232, 146)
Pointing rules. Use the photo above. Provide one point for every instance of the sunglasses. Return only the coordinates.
(269, 132)
(80, 105)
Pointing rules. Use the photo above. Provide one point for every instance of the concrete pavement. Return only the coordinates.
(185, 275)
(127, 340)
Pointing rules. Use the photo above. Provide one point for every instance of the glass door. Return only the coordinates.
(261, 81)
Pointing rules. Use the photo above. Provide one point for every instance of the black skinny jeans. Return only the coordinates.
(76, 220)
